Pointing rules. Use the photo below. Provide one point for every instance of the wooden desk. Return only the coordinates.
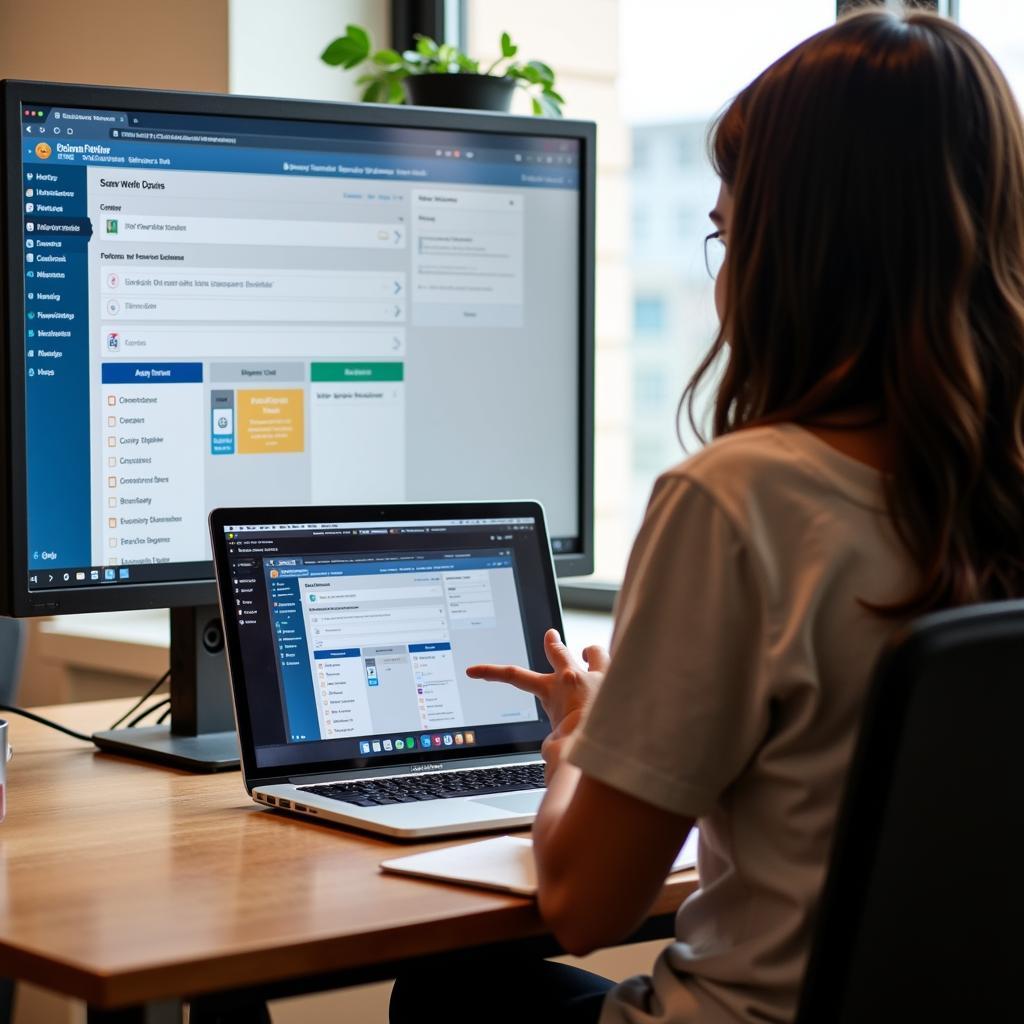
(134, 886)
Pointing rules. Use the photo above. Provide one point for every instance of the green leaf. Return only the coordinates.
(426, 46)
(546, 75)
(550, 107)
(387, 58)
(372, 92)
(348, 50)
(468, 65)
(508, 48)
(557, 97)
(530, 74)
(396, 94)
(537, 108)
(359, 35)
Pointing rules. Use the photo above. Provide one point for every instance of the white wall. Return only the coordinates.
(274, 46)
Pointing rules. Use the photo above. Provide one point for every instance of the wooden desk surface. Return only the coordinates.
(122, 883)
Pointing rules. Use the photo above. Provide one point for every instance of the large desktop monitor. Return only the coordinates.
(213, 300)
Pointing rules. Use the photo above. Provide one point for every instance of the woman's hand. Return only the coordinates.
(565, 692)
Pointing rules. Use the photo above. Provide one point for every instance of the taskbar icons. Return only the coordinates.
(427, 741)
(80, 577)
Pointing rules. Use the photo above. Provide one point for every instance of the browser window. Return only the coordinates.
(355, 637)
(232, 311)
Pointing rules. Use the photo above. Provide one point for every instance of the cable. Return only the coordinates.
(163, 718)
(146, 712)
(32, 716)
(149, 693)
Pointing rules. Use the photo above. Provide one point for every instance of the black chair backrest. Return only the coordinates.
(922, 916)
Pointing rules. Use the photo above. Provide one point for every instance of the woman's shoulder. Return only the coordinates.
(779, 466)
(741, 459)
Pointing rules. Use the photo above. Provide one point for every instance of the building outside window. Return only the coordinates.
(668, 107)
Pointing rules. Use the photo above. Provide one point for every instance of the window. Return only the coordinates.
(640, 224)
(649, 315)
(649, 387)
(999, 26)
(668, 112)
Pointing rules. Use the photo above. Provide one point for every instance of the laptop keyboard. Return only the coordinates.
(406, 789)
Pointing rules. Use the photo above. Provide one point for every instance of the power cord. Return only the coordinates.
(142, 700)
(146, 712)
(10, 709)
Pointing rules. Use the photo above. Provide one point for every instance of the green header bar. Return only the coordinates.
(356, 372)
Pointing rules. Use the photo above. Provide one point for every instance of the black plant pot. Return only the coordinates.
(468, 92)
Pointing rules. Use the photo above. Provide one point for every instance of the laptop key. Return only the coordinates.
(442, 786)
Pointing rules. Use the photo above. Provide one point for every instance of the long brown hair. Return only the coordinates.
(876, 261)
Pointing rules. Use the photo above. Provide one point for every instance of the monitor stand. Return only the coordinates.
(201, 735)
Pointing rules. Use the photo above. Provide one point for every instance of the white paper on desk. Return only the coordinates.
(505, 864)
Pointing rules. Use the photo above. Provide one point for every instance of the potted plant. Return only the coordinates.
(440, 75)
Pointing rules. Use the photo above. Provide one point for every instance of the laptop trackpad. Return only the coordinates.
(514, 803)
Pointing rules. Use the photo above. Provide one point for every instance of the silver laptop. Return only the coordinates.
(349, 631)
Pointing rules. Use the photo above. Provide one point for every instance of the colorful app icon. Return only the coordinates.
(424, 741)
(459, 739)
(388, 745)
(409, 743)
(43, 150)
(376, 746)
(436, 741)
(448, 739)
(399, 744)
(471, 737)
(364, 747)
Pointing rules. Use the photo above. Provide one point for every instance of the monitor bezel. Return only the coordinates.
(16, 599)
(221, 518)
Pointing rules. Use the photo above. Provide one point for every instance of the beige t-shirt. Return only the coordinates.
(740, 661)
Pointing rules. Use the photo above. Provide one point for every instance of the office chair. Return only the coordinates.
(922, 916)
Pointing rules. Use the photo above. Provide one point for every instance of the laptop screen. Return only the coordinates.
(354, 637)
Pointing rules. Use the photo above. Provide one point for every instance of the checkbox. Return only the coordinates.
(111, 441)
(111, 400)
(111, 481)
(111, 421)
(112, 502)
(112, 522)
(111, 461)
(112, 542)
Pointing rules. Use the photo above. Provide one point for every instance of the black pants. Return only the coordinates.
(515, 991)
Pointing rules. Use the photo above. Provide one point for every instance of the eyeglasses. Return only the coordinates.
(714, 253)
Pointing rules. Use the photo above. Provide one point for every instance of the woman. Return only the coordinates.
(868, 466)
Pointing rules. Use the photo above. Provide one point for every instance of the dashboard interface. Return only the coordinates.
(354, 638)
(236, 311)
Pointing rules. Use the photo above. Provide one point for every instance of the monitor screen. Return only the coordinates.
(350, 640)
(230, 309)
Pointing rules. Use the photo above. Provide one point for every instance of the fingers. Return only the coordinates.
(597, 658)
(559, 656)
(536, 683)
